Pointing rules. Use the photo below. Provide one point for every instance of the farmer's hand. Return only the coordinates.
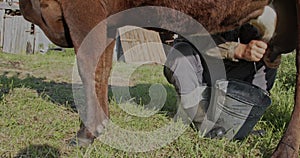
(254, 51)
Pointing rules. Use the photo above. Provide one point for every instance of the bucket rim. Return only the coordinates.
(266, 99)
(249, 84)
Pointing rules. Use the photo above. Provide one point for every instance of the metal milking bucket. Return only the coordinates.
(237, 106)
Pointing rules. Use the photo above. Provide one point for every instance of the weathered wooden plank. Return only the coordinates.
(140, 45)
(7, 34)
(41, 41)
(23, 37)
(2, 13)
(14, 30)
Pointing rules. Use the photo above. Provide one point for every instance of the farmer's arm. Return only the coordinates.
(253, 51)
(241, 43)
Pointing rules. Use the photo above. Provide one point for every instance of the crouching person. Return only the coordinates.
(244, 91)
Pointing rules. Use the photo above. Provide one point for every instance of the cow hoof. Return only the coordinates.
(80, 142)
(83, 138)
(285, 150)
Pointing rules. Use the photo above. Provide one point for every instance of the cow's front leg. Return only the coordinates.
(94, 114)
(102, 75)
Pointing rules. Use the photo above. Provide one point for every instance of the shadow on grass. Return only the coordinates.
(39, 151)
(140, 95)
(58, 93)
(61, 93)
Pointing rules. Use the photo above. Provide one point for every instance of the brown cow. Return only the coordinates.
(67, 23)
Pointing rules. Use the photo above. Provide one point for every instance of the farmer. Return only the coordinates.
(242, 51)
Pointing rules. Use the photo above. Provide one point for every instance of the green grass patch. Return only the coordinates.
(38, 119)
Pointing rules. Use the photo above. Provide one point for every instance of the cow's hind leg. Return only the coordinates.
(288, 147)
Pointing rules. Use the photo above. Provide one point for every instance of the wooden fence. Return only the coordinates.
(139, 45)
(18, 35)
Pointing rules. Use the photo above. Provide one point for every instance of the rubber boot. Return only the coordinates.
(194, 105)
(197, 113)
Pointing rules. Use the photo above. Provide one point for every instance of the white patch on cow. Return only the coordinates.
(266, 23)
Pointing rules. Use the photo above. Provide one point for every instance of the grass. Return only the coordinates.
(38, 117)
